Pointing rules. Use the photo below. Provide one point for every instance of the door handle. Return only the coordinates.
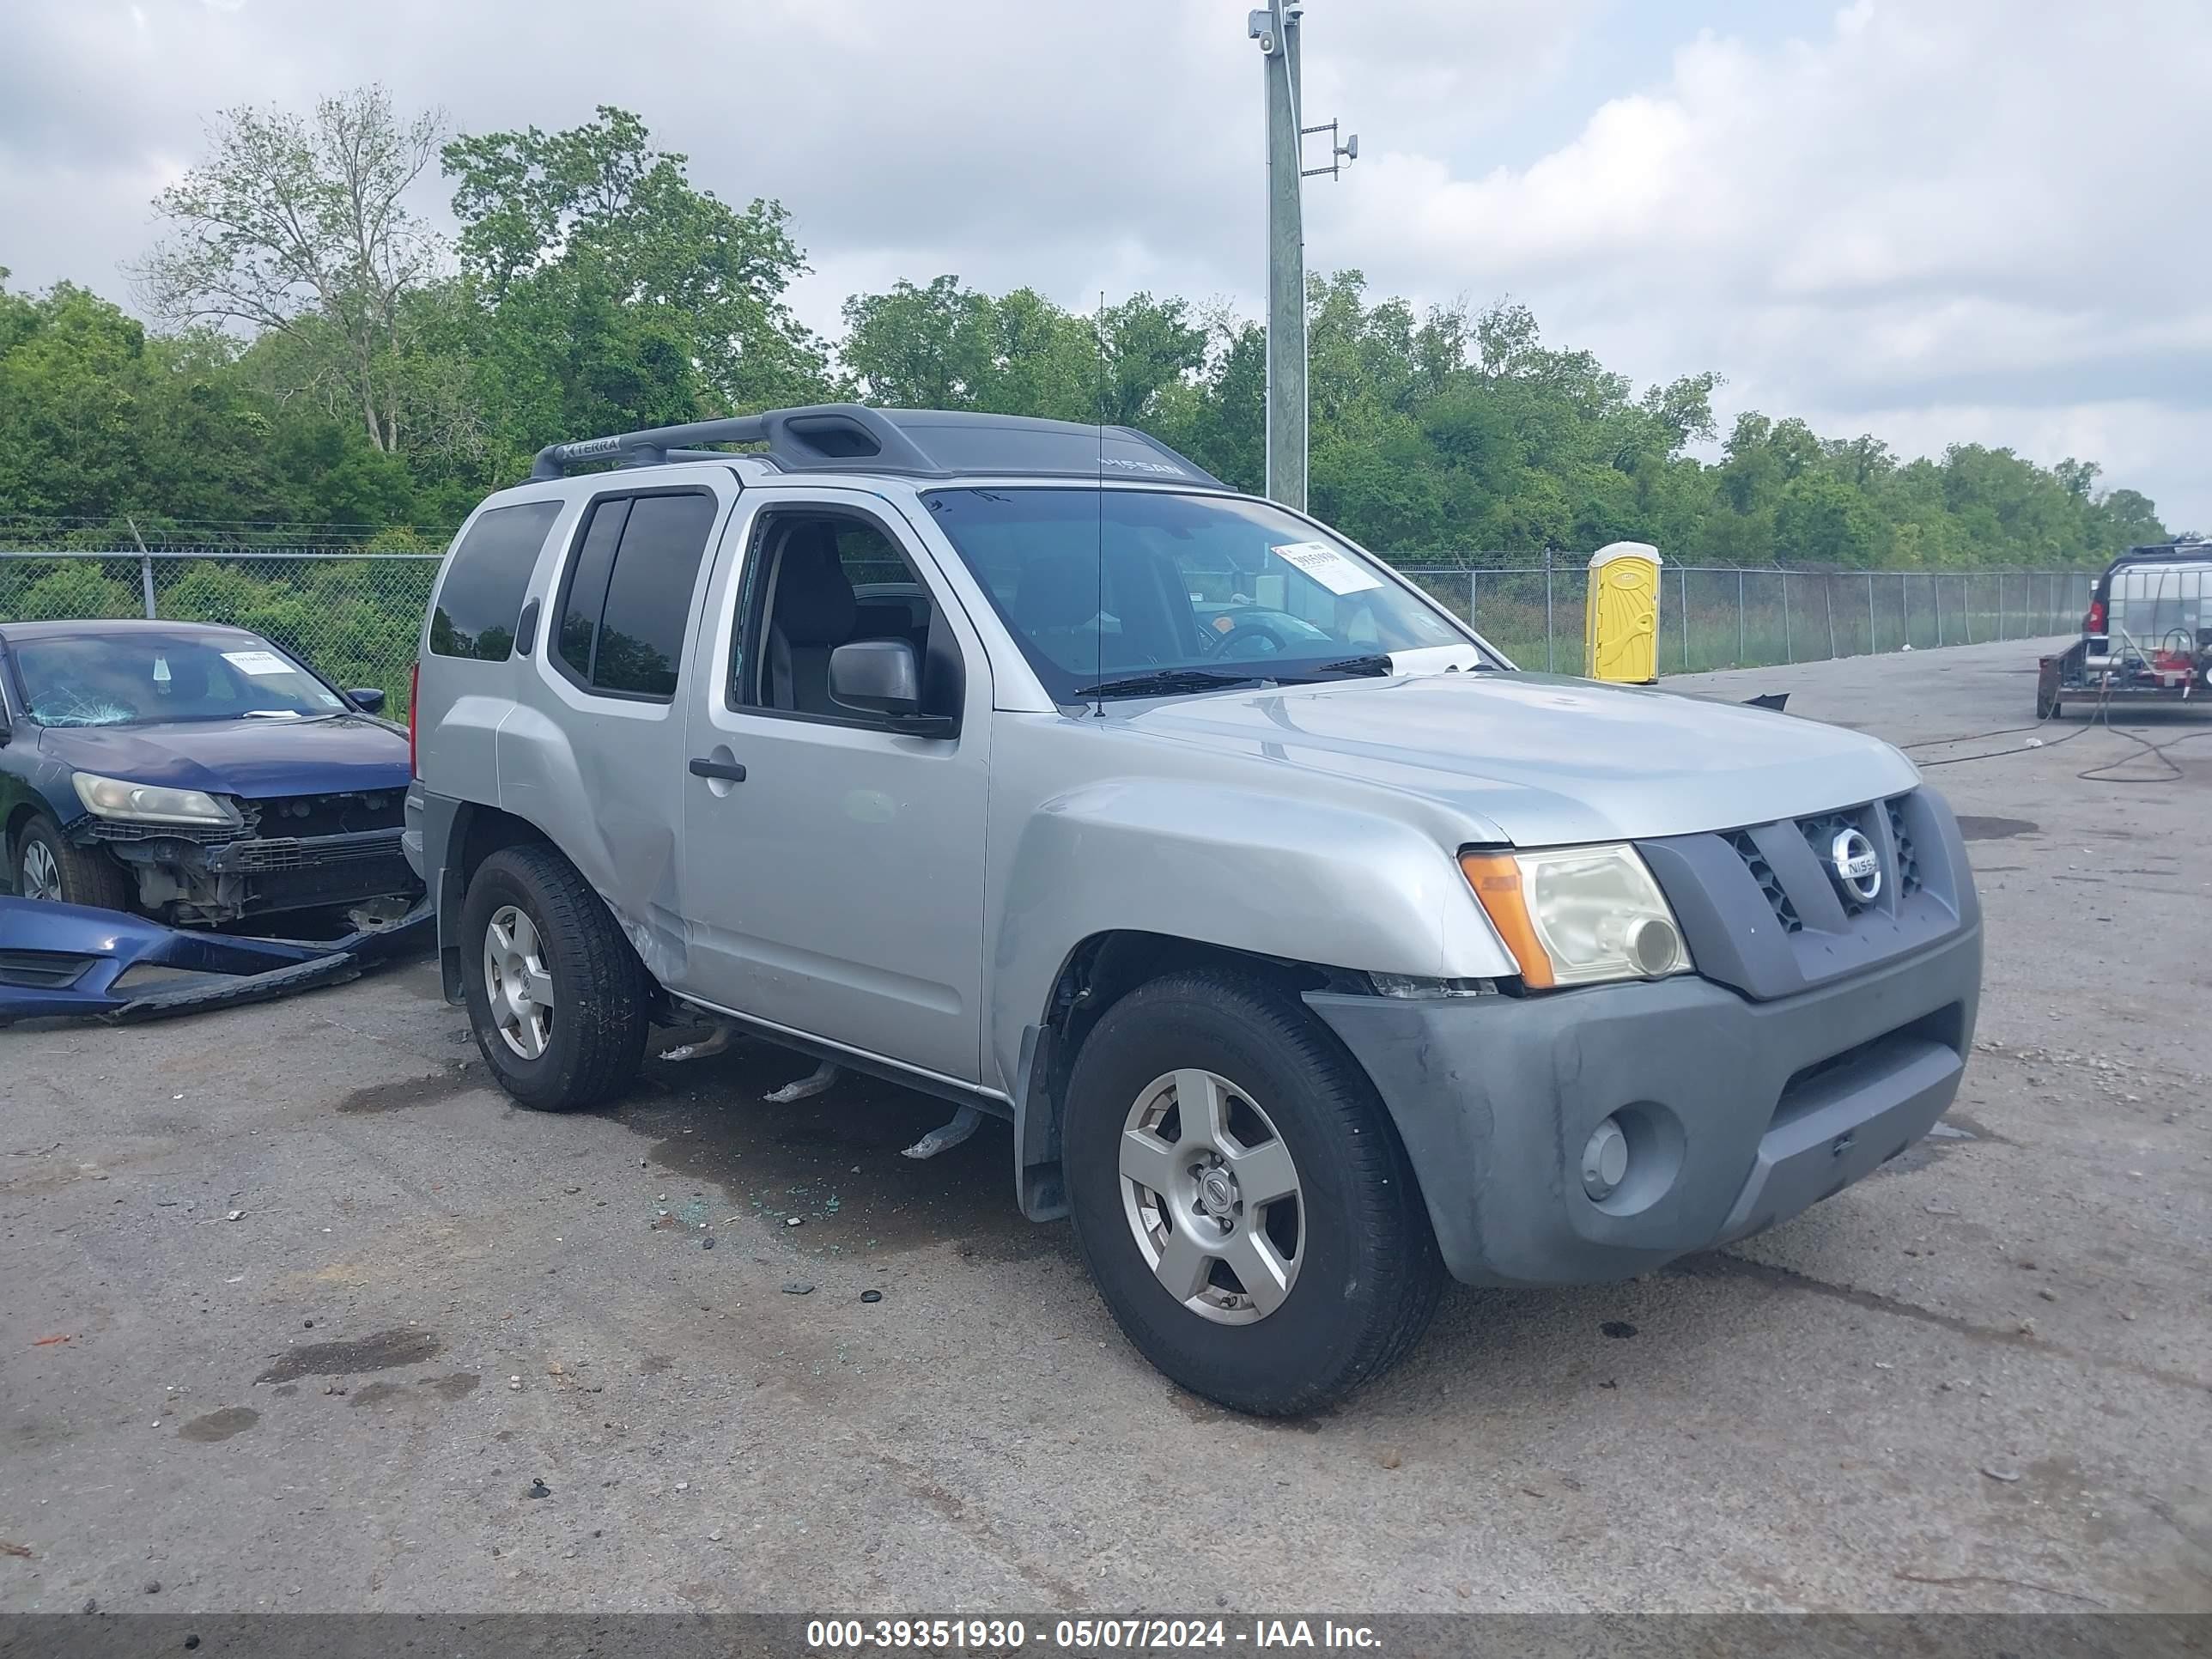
(727, 771)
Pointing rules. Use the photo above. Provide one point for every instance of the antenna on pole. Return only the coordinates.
(1276, 27)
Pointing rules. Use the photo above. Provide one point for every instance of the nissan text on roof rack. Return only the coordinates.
(1312, 951)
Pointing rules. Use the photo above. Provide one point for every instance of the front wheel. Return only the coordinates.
(47, 867)
(556, 998)
(1241, 1197)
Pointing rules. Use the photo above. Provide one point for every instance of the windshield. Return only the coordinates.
(140, 678)
(1143, 592)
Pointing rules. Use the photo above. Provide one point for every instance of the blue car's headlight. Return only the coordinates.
(147, 803)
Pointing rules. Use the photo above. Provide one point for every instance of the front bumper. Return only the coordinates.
(70, 960)
(1740, 1114)
(223, 880)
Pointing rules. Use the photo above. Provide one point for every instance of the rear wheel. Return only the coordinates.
(2047, 706)
(47, 867)
(556, 998)
(1241, 1197)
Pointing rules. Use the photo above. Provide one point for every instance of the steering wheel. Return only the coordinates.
(1257, 631)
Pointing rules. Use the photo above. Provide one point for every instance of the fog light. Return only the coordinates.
(1605, 1159)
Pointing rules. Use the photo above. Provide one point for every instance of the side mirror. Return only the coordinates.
(877, 677)
(370, 699)
(883, 677)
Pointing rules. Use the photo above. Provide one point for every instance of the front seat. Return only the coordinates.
(811, 615)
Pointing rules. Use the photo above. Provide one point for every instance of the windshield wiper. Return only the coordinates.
(1374, 665)
(1379, 664)
(1164, 682)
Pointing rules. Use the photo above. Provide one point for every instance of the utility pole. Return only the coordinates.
(1275, 27)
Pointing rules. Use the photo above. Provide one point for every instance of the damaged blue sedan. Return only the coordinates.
(198, 776)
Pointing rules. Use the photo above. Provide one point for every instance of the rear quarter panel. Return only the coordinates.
(460, 703)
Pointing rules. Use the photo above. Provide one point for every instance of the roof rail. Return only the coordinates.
(916, 443)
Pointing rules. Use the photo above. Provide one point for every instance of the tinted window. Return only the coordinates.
(586, 596)
(482, 594)
(629, 592)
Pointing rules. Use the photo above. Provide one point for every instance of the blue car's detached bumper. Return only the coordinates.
(69, 960)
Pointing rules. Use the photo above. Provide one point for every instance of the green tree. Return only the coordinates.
(1823, 520)
(605, 291)
(297, 227)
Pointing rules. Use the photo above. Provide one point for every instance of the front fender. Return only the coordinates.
(38, 781)
(1223, 865)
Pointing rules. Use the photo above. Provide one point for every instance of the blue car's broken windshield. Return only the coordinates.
(145, 678)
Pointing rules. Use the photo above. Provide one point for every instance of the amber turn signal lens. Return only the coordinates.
(1496, 878)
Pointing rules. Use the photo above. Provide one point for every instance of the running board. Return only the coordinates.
(859, 1059)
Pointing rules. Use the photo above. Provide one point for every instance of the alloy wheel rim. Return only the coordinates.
(42, 877)
(1212, 1196)
(518, 985)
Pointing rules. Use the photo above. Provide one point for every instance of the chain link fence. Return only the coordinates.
(355, 615)
(355, 611)
(1711, 618)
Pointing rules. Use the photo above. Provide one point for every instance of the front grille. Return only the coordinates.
(1908, 862)
(294, 817)
(210, 835)
(1763, 908)
(1820, 834)
(278, 853)
(1769, 884)
(1900, 862)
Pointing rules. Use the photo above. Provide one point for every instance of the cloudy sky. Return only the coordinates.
(1933, 220)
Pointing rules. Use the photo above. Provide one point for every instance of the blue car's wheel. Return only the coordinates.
(44, 866)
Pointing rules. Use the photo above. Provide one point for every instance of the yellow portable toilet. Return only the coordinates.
(1620, 617)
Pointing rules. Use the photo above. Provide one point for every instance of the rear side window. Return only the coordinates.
(628, 596)
(481, 595)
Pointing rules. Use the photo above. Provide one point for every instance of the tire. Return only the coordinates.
(1364, 1271)
(43, 856)
(2047, 708)
(592, 1038)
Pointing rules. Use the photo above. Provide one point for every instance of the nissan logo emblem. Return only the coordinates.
(1858, 869)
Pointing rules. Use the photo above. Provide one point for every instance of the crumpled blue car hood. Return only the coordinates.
(253, 759)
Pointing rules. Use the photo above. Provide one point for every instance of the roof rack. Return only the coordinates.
(925, 443)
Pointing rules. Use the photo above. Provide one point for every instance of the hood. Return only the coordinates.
(257, 759)
(1541, 760)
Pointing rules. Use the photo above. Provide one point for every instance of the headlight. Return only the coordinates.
(1579, 914)
(147, 802)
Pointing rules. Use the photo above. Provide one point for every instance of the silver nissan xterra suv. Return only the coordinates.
(1311, 949)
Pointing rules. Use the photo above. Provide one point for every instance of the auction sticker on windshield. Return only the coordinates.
(1328, 566)
(258, 662)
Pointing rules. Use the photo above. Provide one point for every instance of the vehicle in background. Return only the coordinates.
(2146, 637)
(1310, 958)
(197, 774)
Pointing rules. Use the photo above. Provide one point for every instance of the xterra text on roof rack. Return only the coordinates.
(1312, 951)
